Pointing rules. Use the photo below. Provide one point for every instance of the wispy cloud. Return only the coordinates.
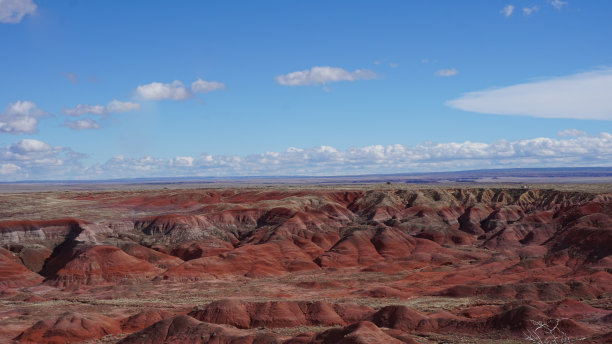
(20, 117)
(580, 96)
(507, 10)
(323, 75)
(13, 11)
(82, 124)
(558, 4)
(527, 11)
(115, 106)
(390, 64)
(71, 76)
(447, 72)
(571, 133)
(176, 90)
(203, 86)
(83, 109)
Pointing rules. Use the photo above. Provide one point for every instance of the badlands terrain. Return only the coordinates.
(342, 264)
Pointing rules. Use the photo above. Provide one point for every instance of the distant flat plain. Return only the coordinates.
(590, 179)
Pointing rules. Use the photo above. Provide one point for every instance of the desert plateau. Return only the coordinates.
(305, 172)
(306, 264)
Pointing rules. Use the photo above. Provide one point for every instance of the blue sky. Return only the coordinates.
(107, 89)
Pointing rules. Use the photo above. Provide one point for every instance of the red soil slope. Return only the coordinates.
(346, 266)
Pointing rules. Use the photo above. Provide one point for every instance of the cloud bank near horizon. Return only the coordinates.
(33, 159)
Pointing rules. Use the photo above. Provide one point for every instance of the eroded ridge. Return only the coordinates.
(312, 265)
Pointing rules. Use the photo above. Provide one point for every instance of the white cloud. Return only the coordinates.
(38, 159)
(507, 10)
(24, 108)
(176, 90)
(157, 91)
(527, 11)
(447, 72)
(323, 75)
(114, 106)
(83, 109)
(203, 86)
(182, 161)
(13, 11)
(558, 4)
(28, 146)
(582, 150)
(20, 117)
(571, 133)
(9, 169)
(579, 96)
(82, 124)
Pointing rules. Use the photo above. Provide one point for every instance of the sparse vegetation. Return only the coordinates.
(548, 332)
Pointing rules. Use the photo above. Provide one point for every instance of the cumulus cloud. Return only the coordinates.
(114, 106)
(38, 159)
(579, 96)
(176, 90)
(507, 10)
(323, 76)
(447, 72)
(13, 11)
(20, 117)
(29, 158)
(7, 169)
(527, 11)
(557, 4)
(203, 86)
(27, 146)
(577, 150)
(182, 161)
(82, 124)
(157, 90)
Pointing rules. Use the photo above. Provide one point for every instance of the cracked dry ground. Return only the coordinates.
(371, 264)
